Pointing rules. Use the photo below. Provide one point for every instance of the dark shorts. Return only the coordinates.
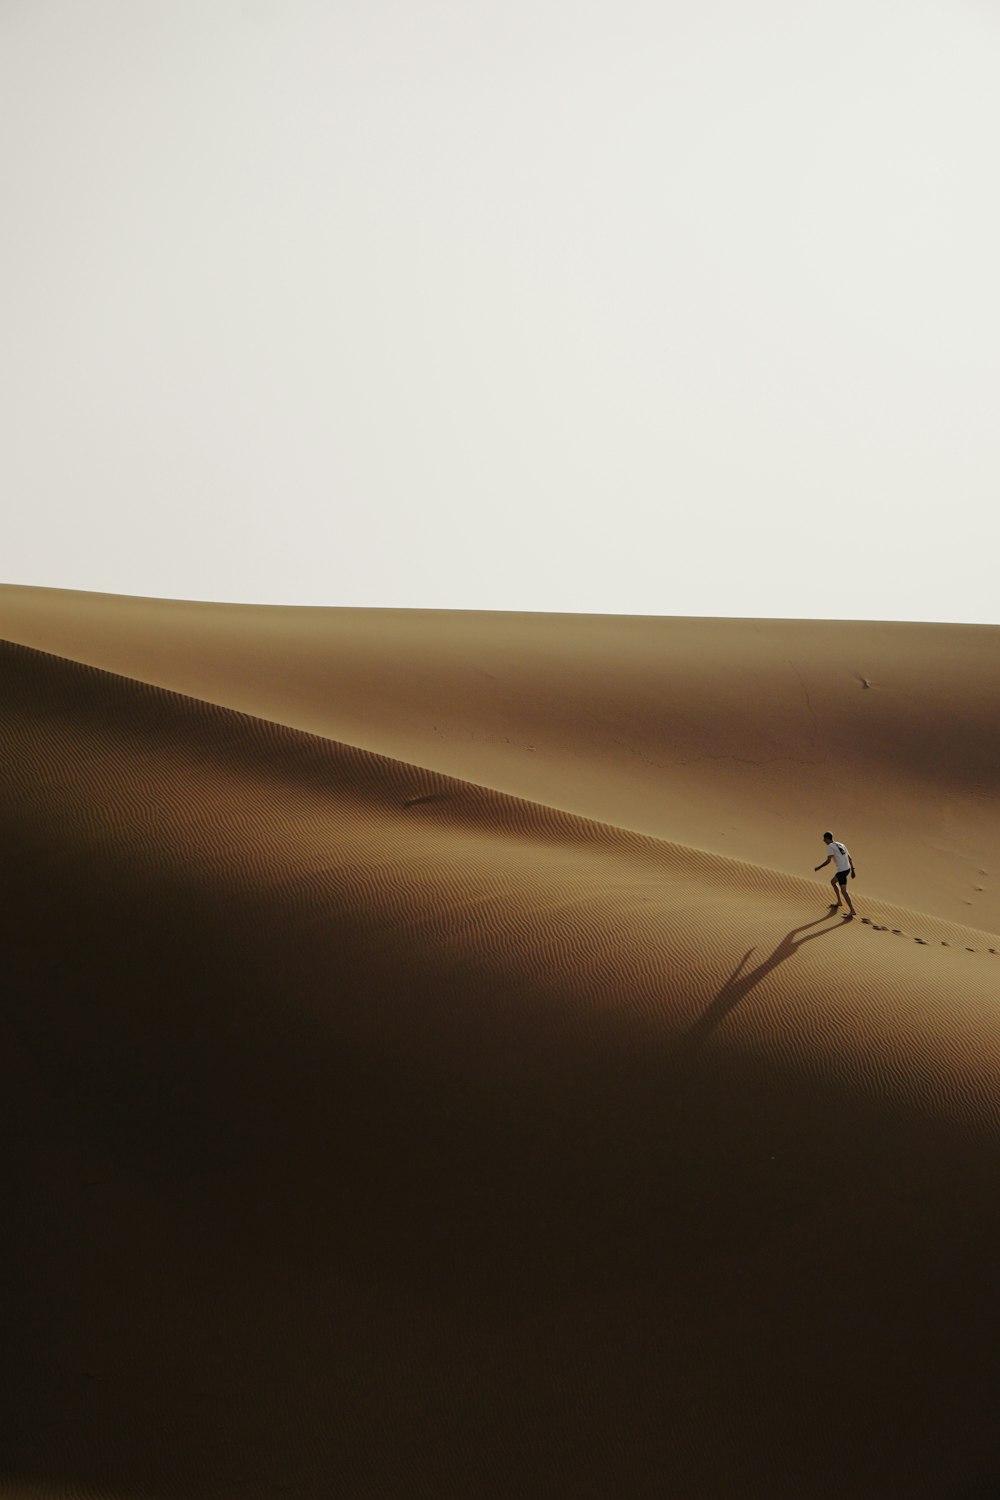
(841, 876)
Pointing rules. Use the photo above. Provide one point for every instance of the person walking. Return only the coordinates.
(843, 866)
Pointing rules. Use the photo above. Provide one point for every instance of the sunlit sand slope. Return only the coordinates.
(375, 1133)
(745, 737)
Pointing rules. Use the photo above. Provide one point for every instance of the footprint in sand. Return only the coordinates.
(924, 942)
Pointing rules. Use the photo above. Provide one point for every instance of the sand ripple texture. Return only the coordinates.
(375, 1133)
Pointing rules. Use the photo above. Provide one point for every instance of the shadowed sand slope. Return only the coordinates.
(375, 1133)
(745, 737)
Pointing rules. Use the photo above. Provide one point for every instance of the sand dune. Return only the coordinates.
(745, 737)
(396, 1123)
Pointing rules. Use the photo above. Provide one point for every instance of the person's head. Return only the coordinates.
(828, 838)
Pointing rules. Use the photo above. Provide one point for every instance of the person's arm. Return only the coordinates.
(825, 863)
(854, 873)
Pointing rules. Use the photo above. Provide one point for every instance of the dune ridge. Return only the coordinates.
(743, 737)
(381, 1132)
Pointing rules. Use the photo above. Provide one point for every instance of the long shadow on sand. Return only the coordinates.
(739, 984)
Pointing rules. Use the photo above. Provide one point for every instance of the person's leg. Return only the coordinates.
(835, 883)
(850, 903)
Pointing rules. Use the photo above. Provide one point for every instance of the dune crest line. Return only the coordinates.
(735, 736)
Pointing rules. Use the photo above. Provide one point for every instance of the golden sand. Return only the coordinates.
(432, 1068)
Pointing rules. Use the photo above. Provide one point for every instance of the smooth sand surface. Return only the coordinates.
(431, 1068)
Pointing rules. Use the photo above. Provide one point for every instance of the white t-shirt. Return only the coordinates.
(841, 858)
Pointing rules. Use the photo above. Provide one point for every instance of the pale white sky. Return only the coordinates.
(638, 306)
